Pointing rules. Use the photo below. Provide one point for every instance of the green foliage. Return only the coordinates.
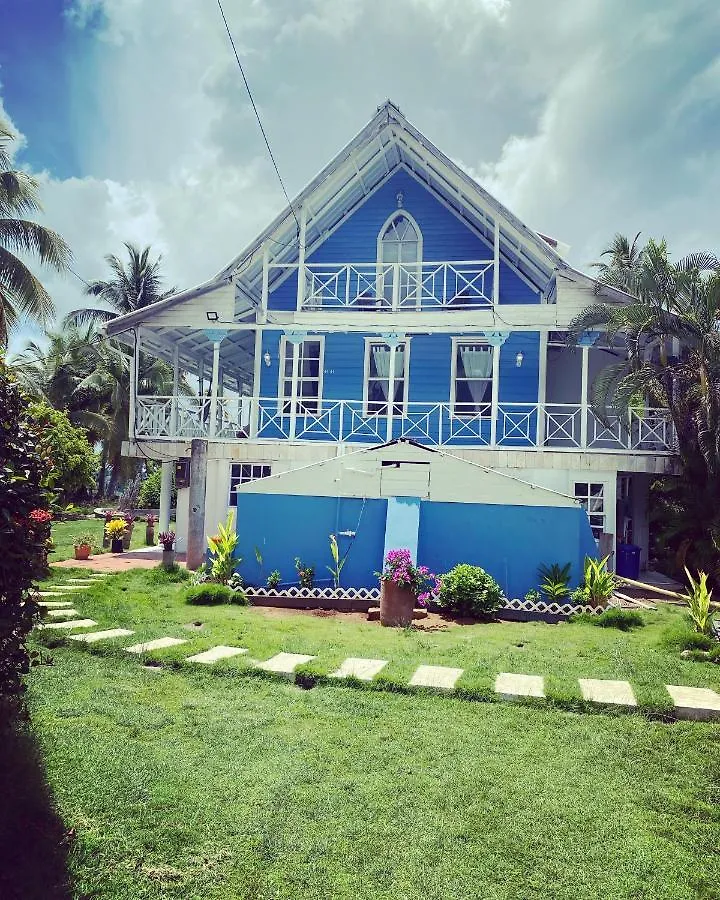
(555, 581)
(336, 569)
(209, 594)
(622, 619)
(149, 495)
(698, 600)
(174, 574)
(274, 579)
(306, 574)
(599, 583)
(26, 477)
(470, 591)
(84, 540)
(72, 458)
(533, 596)
(222, 546)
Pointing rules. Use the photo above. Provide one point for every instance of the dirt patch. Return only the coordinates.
(433, 621)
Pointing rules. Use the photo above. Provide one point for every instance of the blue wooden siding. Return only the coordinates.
(445, 238)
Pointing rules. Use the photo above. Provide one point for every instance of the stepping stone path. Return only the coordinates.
(284, 663)
(700, 704)
(91, 636)
(76, 623)
(511, 686)
(61, 613)
(85, 581)
(362, 669)
(54, 604)
(619, 693)
(215, 653)
(159, 644)
(440, 677)
(50, 594)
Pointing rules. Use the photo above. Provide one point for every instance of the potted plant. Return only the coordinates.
(115, 529)
(109, 516)
(167, 539)
(150, 529)
(129, 525)
(83, 546)
(402, 584)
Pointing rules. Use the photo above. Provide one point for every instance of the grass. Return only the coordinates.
(182, 784)
(152, 606)
(65, 533)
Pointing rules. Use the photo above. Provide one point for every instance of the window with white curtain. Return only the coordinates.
(377, 378)
(309, 375)
(472, 378)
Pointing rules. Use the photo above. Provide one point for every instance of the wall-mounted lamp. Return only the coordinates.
(212, 315)
(519, 358)
(267, 358)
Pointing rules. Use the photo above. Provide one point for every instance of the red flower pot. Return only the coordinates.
(396, 605)
(83, 551)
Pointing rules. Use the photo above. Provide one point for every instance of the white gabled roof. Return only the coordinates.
(388, 143)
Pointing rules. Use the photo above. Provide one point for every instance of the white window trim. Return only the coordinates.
(244, 462)
(468, 339)
(321, 371)
(400, 211)
(369, 341)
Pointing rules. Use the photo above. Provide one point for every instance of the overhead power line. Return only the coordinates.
(257, 114)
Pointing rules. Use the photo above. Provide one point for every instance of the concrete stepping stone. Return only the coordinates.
(215, 653)
(158, 644)
(61, 613)
(50, 594)
(357, 667)
(91, 636)
(442, 678)
(75, 623)
(700, 704)
(619, 693)
(284, 663)
(54, 604)
(511, 686)
(82, 581)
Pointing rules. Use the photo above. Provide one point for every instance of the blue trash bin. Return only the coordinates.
(628, 561)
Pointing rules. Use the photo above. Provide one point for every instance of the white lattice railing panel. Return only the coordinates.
(298, 593)
(562, 424)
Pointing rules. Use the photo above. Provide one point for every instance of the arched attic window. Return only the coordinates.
(399, 259)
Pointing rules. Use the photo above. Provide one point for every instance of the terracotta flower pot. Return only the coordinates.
(168, 559)
(82, 551)
(396, 605)
(127, 537)
(149, 535)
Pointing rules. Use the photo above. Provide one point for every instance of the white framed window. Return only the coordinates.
(377, 379)
(592, 496)
(399, 260)
(471, 378)
(241, 473)
(308, 392)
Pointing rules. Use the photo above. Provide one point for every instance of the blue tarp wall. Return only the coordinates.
(510, 542)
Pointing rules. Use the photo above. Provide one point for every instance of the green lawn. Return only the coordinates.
(562, 653)
(181, 784)
(64, 533)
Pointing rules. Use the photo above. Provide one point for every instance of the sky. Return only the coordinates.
(585, 118)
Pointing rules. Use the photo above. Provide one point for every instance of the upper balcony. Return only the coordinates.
(394, 286)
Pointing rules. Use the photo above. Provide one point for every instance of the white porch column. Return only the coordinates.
(166, 475)
(496, 339)
(265, 283)
(215, 335)
(175, 388)
(542, 390)
(496, 264)
(133, 386)
(301, 259)
(295, 338)
(586, 341)
(392, 340)
(257, 375)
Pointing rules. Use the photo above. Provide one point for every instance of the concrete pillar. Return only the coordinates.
(166, 475)
(196, 514)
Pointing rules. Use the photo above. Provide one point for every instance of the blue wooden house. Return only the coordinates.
(388, 362)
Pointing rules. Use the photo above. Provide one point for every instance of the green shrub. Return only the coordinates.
(622, 619)
(149, 494)
(555, 581)
(208, 594)
(470, 591)
(173, 575)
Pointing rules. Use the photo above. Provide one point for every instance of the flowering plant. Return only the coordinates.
(399, 570)
(129, 519)
(115, 529)
(150, 520)
(167, 539)
(39, 517)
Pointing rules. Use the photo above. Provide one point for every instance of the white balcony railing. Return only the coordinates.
(395, 286)
(552, 426)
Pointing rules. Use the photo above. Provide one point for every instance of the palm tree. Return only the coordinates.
(21, 294)
(133, 286)
(625, 260)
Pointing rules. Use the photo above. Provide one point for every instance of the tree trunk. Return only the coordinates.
(103, 467)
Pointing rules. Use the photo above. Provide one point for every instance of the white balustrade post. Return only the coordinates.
(396, 285)
(496, 264)
(542, 390)
(496, 339)
(257, 377)
(265, 283)
(214, 389)
(166, 475)
(584, 407)
(175, 389)
(301, 258)
(391, 393)
(296, 338)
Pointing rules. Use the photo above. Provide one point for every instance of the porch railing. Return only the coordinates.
(552, 426)
(395, 286)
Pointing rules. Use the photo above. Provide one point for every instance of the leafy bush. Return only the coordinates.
(208, 594)
(149, 494)
(73, 462)
(26, 477)
(222, 546)
(306, 574)
(470, 591)
(274, 579)
(532, 596)
(622, 619)
(555, 581)
(681, 636)
(698, 601)
(84, 540)
(598, 583)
